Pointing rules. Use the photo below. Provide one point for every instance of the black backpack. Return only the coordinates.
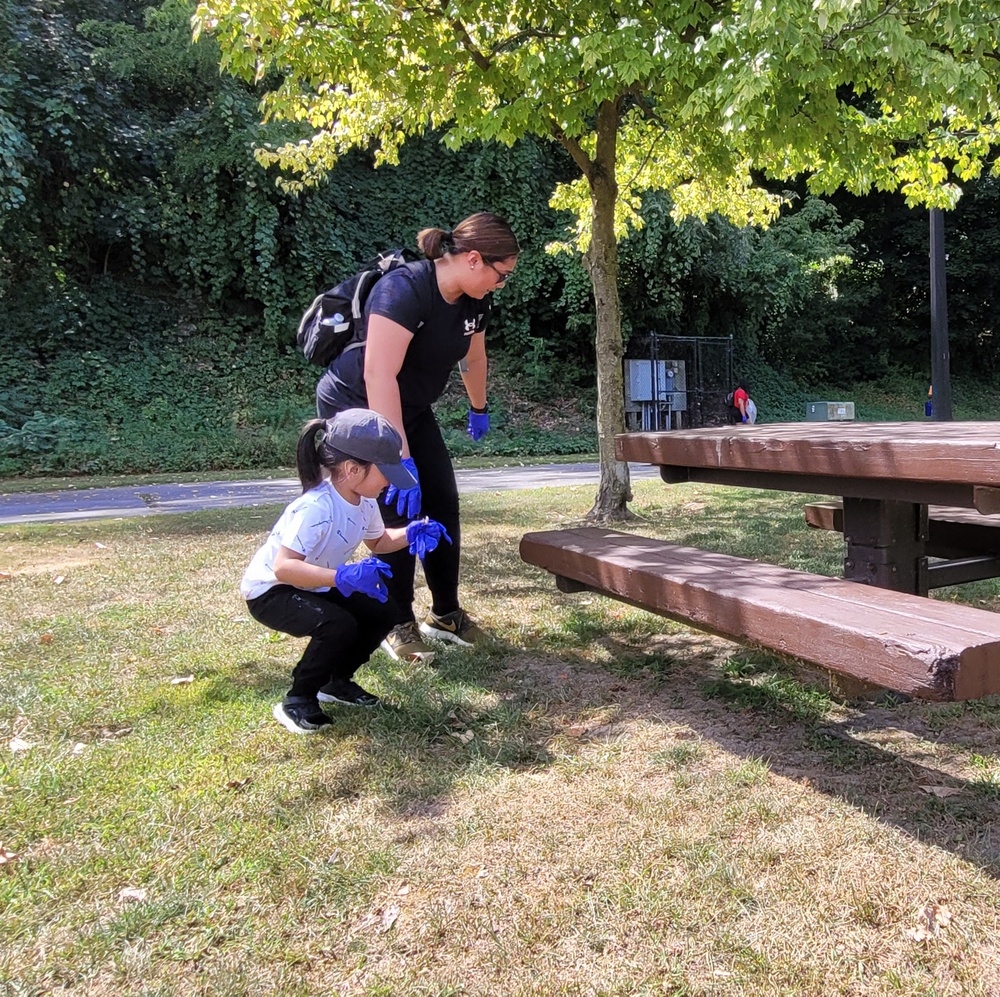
(334, 322)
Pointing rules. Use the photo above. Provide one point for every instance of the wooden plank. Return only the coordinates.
(955, 452)
(952, 532)
(883, 489)
(825, 516)
(922, 647)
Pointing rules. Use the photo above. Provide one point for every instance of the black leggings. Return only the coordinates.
(439, 501)
(345, 630)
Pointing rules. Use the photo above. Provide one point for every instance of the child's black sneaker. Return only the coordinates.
(301, 718)
(347, 692)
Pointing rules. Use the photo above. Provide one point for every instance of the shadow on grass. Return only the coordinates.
(506, 706)
(431, 729)
(879, 756)
(905, 764)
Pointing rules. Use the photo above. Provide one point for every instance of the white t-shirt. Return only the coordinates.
(320, 524)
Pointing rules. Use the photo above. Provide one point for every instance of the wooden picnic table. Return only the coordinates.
(887, 474)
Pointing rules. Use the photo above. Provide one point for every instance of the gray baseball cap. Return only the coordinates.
(368, 436)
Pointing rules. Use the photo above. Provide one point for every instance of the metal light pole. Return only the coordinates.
(940, 357)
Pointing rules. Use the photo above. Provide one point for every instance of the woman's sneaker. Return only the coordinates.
(301, 718)
(456, 627)
(347, 692)
(404, 644)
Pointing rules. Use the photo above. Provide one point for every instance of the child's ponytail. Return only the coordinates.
(307, 460)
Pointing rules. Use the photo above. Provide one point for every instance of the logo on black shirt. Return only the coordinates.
(470, 326)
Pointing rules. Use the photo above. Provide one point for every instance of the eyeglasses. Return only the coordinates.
(502, 275)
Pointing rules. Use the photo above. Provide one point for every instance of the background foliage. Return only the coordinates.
(152, 273)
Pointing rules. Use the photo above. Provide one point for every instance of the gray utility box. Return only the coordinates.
(655, 394)
(663, 381)
(829, 411)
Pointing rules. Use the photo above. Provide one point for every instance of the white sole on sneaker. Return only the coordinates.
(289, 724)
(428, 631)
(424, 657)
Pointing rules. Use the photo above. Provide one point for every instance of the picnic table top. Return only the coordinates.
(956, 452)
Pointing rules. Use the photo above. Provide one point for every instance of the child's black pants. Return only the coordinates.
(344, 631)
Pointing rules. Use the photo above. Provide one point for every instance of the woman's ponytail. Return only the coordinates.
(434, 242)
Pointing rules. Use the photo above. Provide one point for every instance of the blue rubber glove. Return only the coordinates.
(423, 535)
(407, 499)
(744, 418)
(479, 425)
(365, 577)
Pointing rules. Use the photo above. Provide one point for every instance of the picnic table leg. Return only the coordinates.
(886, 544)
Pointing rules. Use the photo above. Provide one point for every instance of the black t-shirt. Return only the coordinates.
(442, 333)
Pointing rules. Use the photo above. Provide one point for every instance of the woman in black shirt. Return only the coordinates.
(422, 319)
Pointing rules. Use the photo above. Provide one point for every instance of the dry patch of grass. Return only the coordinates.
(599, 802)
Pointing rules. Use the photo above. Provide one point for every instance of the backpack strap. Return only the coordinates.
(311, 312)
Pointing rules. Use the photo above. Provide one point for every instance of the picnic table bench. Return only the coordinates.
(922, 647)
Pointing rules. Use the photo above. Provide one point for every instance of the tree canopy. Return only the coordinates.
(151, 274)
(858, 94)
(692, 97)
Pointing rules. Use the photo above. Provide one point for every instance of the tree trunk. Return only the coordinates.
(601, 260)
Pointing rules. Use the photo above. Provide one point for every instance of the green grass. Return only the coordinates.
(598, 801)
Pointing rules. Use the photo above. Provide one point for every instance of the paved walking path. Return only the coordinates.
(147, 500)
